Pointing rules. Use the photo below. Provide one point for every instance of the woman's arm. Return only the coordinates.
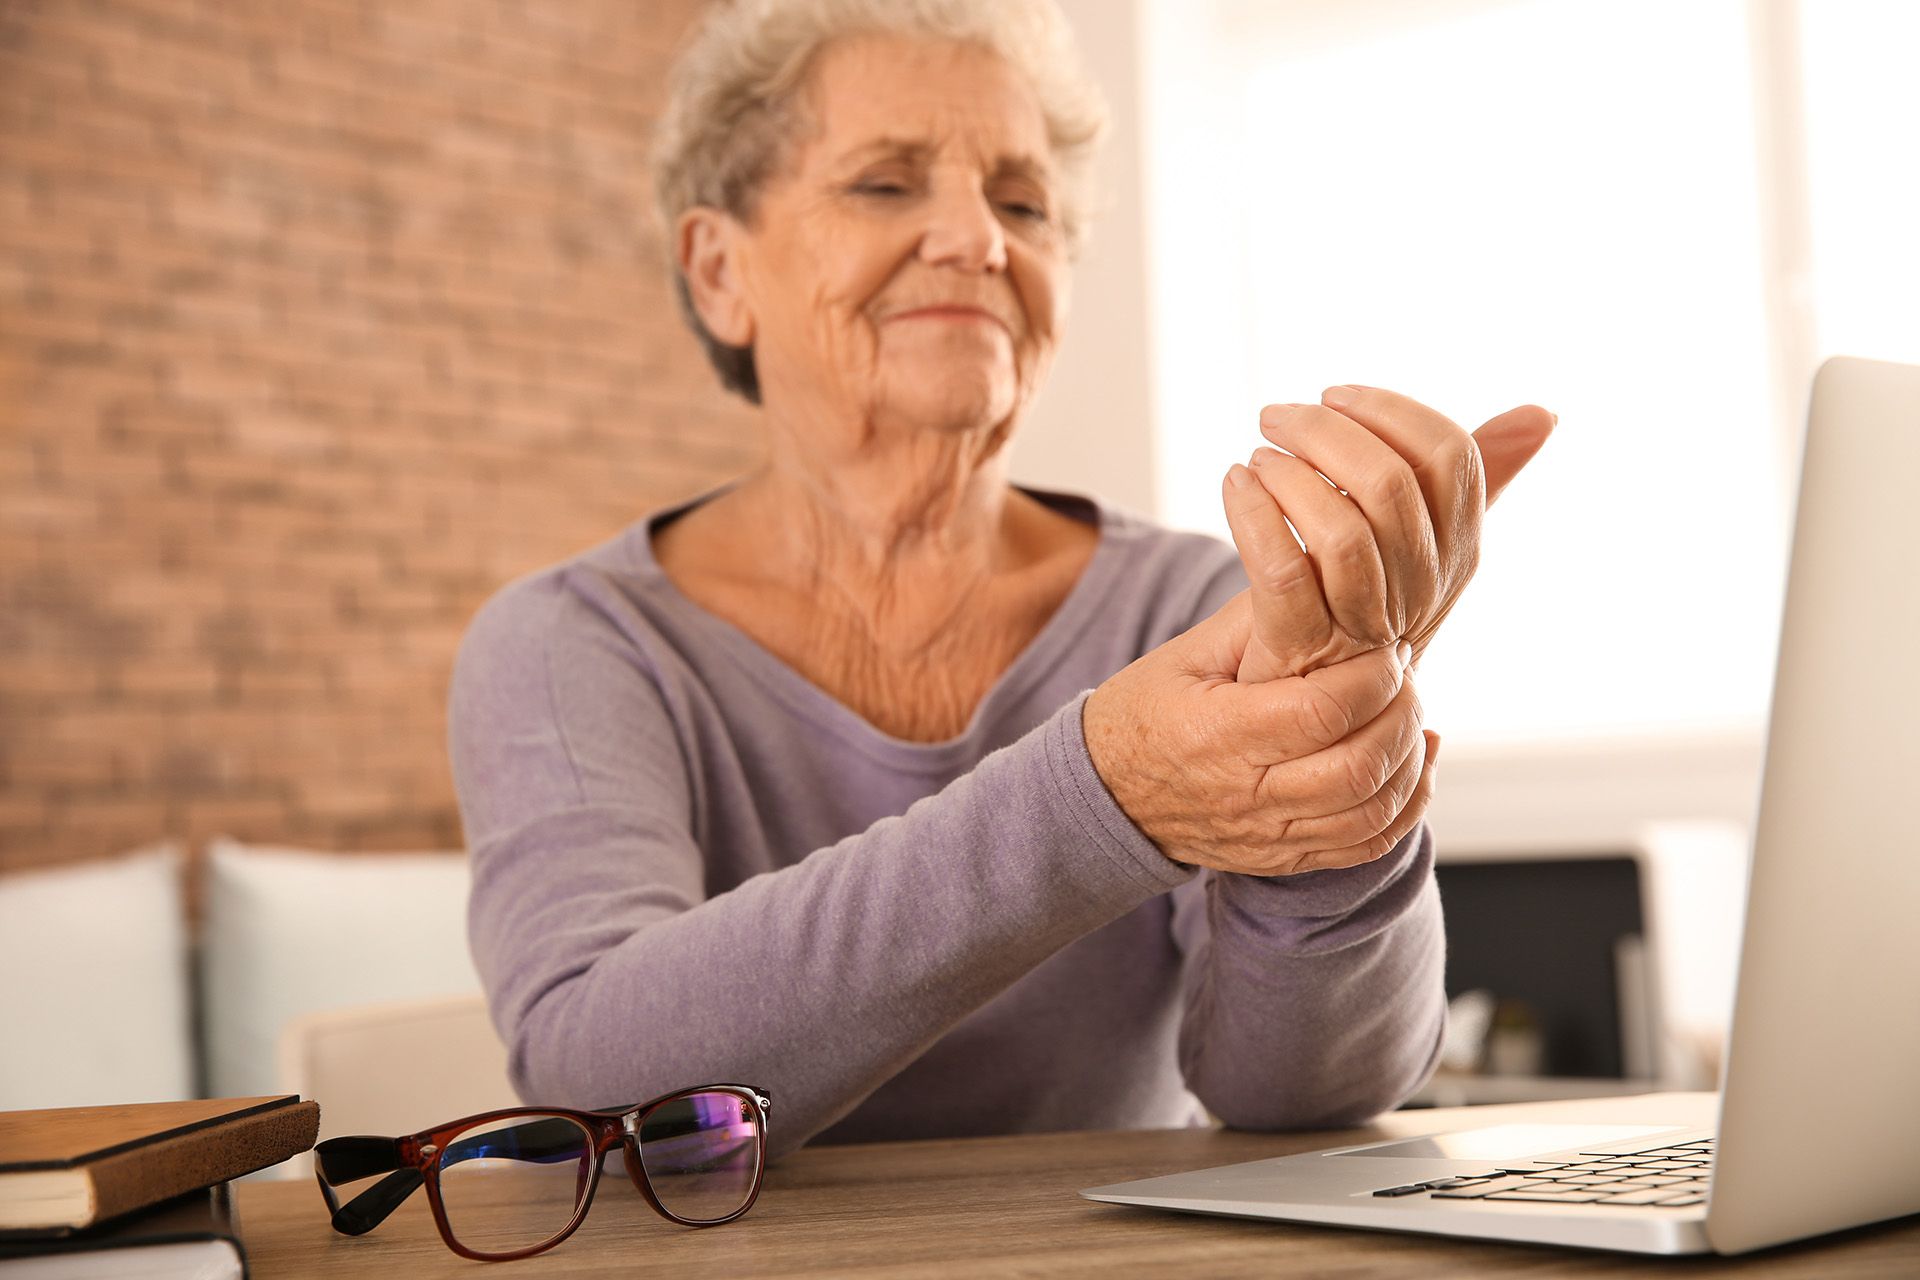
(1318, 999)
(1311, 1000)
(613, 974)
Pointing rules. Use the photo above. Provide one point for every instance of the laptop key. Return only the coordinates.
(1678, 1202)
(1548, 1197)
(1655, 1195)
(1480, 1190)
(1400, 1191)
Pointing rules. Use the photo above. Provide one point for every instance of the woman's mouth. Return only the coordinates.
(946, 313)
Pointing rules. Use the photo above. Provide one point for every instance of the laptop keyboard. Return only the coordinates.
(1661, 1177)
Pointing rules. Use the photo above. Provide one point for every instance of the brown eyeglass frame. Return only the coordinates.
(414, 1160)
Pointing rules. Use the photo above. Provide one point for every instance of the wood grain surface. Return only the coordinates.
(1006, 1206)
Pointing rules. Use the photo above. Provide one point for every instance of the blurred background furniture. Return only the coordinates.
(1576, 973)
(393, 1068)
(342, 977)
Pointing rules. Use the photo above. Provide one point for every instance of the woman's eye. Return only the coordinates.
(879, 188)
(1025, 212)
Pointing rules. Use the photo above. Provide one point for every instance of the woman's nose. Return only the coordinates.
(962, 232)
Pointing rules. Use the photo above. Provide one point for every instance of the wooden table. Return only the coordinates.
(1005, 1206)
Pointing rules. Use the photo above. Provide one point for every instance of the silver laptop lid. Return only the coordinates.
(1820, 1126)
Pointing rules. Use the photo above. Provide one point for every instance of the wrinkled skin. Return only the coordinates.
(1283, 734)
(1390, 556)
(902, 278)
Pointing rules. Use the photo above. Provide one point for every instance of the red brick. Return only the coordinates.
(165, 678)
(45, 677)
(300, 359)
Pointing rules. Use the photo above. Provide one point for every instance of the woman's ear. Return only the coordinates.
(705, 242)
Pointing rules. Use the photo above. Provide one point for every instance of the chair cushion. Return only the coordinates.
(289, 932)
(94, 1003)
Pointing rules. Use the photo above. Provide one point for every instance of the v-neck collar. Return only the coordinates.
(814, 704)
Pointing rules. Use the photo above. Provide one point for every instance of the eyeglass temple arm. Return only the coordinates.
(339, 1160)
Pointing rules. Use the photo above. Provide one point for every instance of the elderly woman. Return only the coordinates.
(936, 805)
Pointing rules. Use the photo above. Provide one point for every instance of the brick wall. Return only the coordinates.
(319, 320)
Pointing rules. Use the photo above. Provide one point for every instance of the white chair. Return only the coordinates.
(394, 1067)
(288, 932)
(94, 998)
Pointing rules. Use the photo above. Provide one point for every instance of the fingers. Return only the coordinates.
(1290, 617)
(1299, 717)
(1354, 827)
(1444, 461)
(1214, 648)
(1380, 484)
(1508, 442)
(1336, 778)
(1341, 544)
(1405, 821)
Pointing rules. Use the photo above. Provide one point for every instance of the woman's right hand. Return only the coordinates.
(1389, 497)
(1326, 769)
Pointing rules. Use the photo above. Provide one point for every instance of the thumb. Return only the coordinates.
(1213, 648)
(1508, 442)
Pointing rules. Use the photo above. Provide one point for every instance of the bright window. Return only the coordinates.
(1490, 202)
(1863, 118)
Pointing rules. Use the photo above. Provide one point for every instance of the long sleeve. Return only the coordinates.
(1313, 1000)
(614, 974)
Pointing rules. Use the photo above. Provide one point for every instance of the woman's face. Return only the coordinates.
(905, 268)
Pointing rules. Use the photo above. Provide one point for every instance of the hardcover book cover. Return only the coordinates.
(193, 1237)
(72, 1167)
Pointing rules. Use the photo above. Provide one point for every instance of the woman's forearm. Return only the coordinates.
(1317, 1000)
(819, 981)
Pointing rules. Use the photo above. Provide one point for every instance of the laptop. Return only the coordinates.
(1816, 1127)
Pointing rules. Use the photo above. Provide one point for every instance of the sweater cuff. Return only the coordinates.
(1334, 892)
(1096, 812)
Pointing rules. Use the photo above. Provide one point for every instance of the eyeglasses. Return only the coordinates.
(697, 1155)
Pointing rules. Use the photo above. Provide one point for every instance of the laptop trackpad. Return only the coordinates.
(1507, 1141)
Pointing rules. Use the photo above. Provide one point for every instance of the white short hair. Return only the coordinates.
(731, 105)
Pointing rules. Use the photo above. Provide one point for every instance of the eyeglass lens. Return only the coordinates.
(552, 1159)
(701, 1153)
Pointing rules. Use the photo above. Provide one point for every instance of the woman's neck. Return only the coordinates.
(903, 597)
(896, 552)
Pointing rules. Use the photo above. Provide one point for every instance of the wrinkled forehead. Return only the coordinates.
(875, 97)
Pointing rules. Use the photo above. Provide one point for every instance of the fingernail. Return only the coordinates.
(1554, 416)
(1239, 476)
(1406, 653)
(1262, 456)
(1341, 396)
(1433, 749)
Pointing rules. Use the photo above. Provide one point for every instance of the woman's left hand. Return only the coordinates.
(1390, 542)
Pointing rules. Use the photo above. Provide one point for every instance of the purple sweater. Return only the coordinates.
(691, 865)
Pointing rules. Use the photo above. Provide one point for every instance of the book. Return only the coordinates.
(191, 1237)
(72, 1167)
